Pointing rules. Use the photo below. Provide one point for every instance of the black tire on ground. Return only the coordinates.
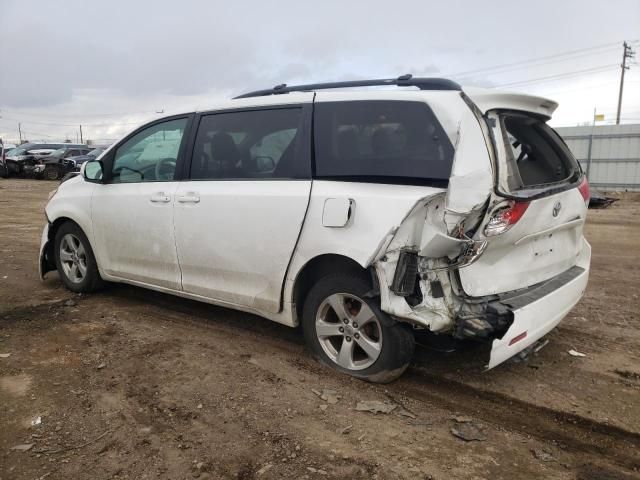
(394, 340)
(4, 171)
(51, 172)
(75, 241)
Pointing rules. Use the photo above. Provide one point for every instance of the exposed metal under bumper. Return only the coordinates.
(497, 313)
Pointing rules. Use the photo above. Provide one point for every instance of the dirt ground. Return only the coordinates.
(133, 384)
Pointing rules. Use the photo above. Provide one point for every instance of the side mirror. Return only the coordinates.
(92, 171)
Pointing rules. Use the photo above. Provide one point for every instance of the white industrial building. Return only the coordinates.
(610, 154)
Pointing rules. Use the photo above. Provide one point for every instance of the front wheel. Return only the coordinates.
(51, 172)
(75, 261)
(348, 331)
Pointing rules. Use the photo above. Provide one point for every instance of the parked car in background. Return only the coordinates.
(4, 171)
(57, 163)
(363, 215)
(22, 159)
(74, 163)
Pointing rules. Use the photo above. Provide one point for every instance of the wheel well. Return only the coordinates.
(49, 257)
(57, 223)
(319, 267)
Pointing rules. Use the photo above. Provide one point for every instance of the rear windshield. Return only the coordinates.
(380, 141)
(536, 155)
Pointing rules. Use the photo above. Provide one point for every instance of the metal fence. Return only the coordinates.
(609, 154)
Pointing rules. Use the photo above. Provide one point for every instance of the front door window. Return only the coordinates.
(150, 155)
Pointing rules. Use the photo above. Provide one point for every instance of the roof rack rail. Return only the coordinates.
(402, 81)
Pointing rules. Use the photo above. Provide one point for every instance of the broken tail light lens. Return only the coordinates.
(504, 218)
(583, 188)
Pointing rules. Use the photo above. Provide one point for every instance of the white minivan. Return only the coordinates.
(363, 214)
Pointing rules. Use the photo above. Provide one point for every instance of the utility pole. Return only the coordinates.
(20, 133)
(81, 134)
(627, 53)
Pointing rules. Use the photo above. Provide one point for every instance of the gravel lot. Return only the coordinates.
(129, 383)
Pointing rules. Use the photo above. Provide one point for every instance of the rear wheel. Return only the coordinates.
(349, 332)
(75, 261)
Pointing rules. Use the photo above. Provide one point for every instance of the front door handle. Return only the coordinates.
(160, 197)
(190, 197)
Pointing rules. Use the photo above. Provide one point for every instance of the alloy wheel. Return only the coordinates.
(73, 258)
(348, 331)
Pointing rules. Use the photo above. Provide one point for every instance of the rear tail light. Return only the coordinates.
(504, 218)
(583, 188)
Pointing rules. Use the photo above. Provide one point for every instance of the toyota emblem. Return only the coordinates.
(556, 209)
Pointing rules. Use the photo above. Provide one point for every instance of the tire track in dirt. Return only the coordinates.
(608, 444)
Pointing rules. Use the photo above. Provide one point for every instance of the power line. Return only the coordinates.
(51, 124)
(549, 78)
(72, 115)
(578, 89)
(579, 52)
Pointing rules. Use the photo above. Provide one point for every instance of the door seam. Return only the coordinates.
(175, 235)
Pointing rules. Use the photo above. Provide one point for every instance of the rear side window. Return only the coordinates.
(256, 144)
(381, 141)
(536, 155)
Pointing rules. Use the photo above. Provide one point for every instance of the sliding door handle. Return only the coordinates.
(160, 197)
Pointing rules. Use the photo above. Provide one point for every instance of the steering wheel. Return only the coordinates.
(165, 168)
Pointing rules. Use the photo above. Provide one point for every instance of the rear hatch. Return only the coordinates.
(534, 222)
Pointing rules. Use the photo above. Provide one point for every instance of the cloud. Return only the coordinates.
(85, 58)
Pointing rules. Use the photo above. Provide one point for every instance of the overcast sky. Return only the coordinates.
(113, 64)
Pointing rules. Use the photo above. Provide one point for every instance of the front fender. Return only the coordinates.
(72, 201)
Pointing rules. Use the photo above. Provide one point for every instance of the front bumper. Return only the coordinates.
(44, 262)
(538, 311)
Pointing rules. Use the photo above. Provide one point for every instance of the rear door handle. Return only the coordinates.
(160, 197)
(189, 198)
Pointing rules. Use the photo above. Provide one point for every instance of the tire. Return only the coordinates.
(72, 249)
(4, 171)
(388, 345)
(51, 172)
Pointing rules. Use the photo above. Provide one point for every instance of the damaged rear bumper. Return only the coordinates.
(537, 313)
(511, 321)
(528, 316)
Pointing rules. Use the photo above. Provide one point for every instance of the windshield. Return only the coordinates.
(58, 153)
(18, 151)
